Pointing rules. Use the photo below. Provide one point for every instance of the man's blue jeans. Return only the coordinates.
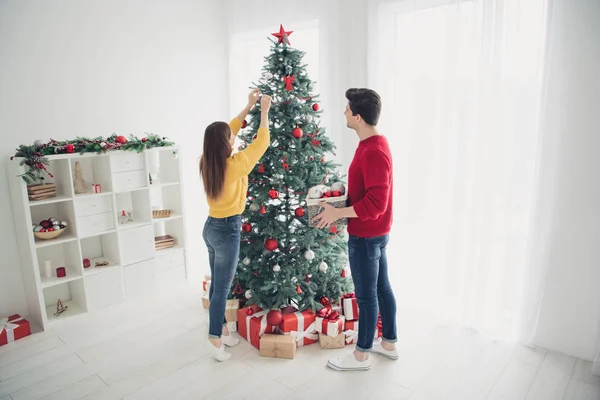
(368, 263)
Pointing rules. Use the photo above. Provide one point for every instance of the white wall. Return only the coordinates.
(70, 68)
(568, 225)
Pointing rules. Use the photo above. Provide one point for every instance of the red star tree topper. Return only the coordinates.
(282, 35)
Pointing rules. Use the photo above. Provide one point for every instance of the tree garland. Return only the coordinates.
(34, 156)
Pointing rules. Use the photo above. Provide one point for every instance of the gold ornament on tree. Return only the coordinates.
(79, 183)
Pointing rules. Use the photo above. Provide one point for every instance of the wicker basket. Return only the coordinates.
(314, 208)
(49, 235)
(161, 213)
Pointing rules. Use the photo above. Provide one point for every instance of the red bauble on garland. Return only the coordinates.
(121, 139)
(300, 212)
(247, 228)
(274, 194)
(297, 132)
(244, 124)
(315, 107)
(274, 317)
(271, 244)
(144, 140)
(70, 148)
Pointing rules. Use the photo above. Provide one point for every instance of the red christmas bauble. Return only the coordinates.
(297, 132)
(311, 158)
(274, 317)
(263, 211)
(323, 159)
(336, 193)
(246, 227)
(50, 229)
(70, 148)
(121, 139)
(250, 311)
(86, 263)
(271, 244)
(315, 107)
(299, 212)
(274, 194)
(324, 301)
(244, 124)
(298, 289)
(144, 139)
(333, 229)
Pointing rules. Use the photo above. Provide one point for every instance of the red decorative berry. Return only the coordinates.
(271, 244)
(315, 107)
(144, 139)
(274, 194)
(297, 132)
(244, 124)
(70, 148)
(311, 158)
(121, 139)
(300, 212)
(274, 317)
(247, 228)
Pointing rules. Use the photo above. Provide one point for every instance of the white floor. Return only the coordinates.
(155, 351)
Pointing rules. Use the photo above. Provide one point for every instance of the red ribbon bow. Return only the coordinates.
(348, 296)
(288, 80)
(328, 314)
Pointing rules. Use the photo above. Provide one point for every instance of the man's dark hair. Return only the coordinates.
(366, 103)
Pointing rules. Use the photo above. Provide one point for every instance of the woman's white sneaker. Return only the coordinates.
(349, 363)
(230, 340)
(391, 354)
(218, 353)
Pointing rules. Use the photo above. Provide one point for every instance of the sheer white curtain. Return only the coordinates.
(461, 83)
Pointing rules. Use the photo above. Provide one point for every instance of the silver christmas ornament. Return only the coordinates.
(248, 294)
(309, 255)
(247, 261)
(276, 268)
(323, 266)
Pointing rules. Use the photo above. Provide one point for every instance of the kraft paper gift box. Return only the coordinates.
(332, 342)
(231, 308)
(278, 346)
(300, 325)
(13, 328)
(253, 326)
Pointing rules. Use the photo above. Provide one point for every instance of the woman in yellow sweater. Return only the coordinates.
(225, 178)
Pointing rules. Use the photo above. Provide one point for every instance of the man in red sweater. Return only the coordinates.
(370, 188)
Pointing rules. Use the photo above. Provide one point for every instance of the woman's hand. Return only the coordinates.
(252, 98)
(265, 104)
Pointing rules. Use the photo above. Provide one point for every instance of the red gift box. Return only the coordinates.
(351, 331)
(329, 322)
(302, 326)
(252, 326)
(350, 307)
(13, 328)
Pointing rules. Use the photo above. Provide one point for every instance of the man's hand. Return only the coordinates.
(253, 98)
(327, 217)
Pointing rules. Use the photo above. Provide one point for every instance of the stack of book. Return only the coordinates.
(164, 242)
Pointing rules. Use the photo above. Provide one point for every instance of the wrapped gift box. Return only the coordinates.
(332, 342)
(205, 303)
(350, 307)
(278, 346)
(253, 326)
(329, 322)
(13, 328)
(301, 325)
(351, 331)
(206, 287)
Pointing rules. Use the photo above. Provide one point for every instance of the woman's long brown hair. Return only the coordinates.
(214, 159)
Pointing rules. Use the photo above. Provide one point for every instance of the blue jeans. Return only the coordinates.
(368, 263)
(222, 238)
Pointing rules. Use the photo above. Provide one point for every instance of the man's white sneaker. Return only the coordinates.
(218, 353)
(378, 348)
(349, 363)
(230, 340)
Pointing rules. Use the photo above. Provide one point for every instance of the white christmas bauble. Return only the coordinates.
(309, 255)
(56, 227)
(338, 187)
(103, 144)
(294, 279)
(52, 219)
(248, 294)
(64, 223)
(37, 228)
(247, 261)
(310, 118)
(292, 230)
(254, 207)
(276, 268)
(323, 266)
(38, 143)
(315, 192)
(268, 76)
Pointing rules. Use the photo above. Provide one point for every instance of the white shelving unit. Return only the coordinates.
(136, 183)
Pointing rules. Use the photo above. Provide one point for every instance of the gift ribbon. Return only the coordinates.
(9, 327)
(349, 296)
(350, 335)
(309, 333)
(263, 323)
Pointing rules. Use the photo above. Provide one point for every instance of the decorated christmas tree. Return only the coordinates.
(284, 261)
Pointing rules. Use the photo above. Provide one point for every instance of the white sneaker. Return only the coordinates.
(349, 363)
(230, 340)
(218, 353)
(378, 348)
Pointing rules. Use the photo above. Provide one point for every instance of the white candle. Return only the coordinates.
(48, 269)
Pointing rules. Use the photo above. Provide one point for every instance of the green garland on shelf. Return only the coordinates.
(34, 156)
